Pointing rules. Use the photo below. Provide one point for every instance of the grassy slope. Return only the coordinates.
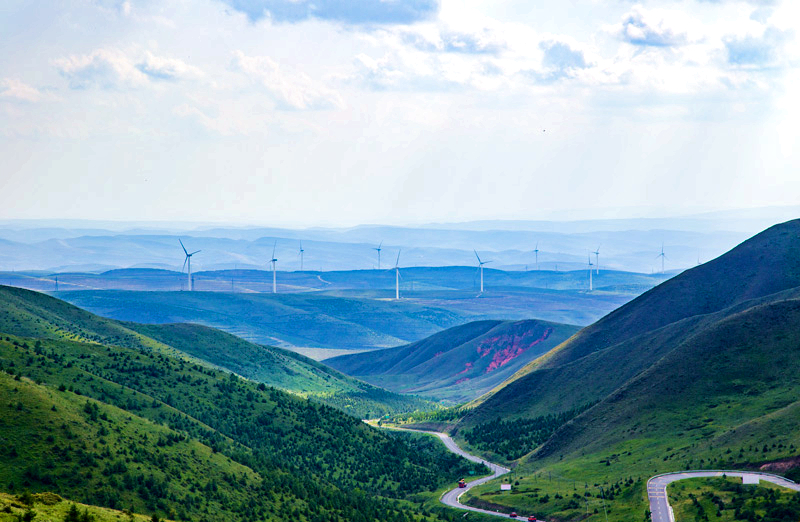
(459, 363)
(52, 507)
(298, 319)
(746, 273)
(714, 390)
(281, 368)
(38, 315)
(296, 448)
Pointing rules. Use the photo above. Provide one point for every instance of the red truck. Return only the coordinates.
(531, 518)
(462, 483)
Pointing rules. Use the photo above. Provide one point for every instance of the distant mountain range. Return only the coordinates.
(630, 245)
(459, 363)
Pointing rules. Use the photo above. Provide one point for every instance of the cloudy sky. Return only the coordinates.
(338, 112)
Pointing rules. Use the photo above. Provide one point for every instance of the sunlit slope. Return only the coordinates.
(459, 363)
(766, 264)
(37, 315)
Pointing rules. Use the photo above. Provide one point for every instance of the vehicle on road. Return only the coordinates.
(531, 518)
(462, 484)
(513, 514)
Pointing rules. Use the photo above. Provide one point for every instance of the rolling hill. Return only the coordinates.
(37, 315)
(101, 414)
(284, 319)
(459, 363)
(700, 372)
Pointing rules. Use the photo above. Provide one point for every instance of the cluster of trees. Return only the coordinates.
(309, 457)
(515, 438)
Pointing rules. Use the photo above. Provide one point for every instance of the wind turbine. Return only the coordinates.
(662, 256)
(273, 261)
(188, 262)
(597, 259)
(379, 254)
(590, 272)
(301, 256)
(397, 277)
(480, 266)
(536, 251)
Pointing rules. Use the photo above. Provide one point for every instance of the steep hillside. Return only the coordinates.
(457, 364)
(37, 315)
(707, 380)
(763, 265)
(120, 426)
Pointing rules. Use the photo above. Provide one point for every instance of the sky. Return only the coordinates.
(340, 112)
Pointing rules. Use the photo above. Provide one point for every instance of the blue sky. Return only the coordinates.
(340, 112)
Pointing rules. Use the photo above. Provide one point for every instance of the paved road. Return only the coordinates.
(451, 498)
(657, 488)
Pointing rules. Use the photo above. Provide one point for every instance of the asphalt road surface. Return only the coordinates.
(657, 488)
(451, 498)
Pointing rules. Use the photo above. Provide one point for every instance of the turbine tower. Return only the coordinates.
(480, 267)
(379, 254)
(662, 256)
(597, 259)
(273, 261)
(397, 277)
(301, 256)
(188, 263)
(590, 272)
(536, 251)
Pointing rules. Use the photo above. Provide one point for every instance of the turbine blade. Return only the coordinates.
(184, 264)
(380, 245)
(396, 263)
(273, 248)
(476, 255)
(183, 247)
(193, 253)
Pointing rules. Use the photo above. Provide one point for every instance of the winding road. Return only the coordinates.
(451, 498)
(657, 487)
(660, 509)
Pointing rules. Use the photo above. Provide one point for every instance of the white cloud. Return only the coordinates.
(655, 28)
(162, 68)
(113, 68)
(290, 90)
(14, 89)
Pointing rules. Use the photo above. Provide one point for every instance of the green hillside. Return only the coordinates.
(714, 390)
(136, 427)
(282, 369)
(37, 315)
(459, 363)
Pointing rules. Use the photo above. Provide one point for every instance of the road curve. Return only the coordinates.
(451, 498)
(657, 488)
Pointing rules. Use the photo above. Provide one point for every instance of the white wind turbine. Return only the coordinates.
(274, 277)
(590, 272)
(480, 267)
(597, 259)
(188, 262)
(536, 251)
(397, 277)
(379, 254)
(662, 256)
(301, 256)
